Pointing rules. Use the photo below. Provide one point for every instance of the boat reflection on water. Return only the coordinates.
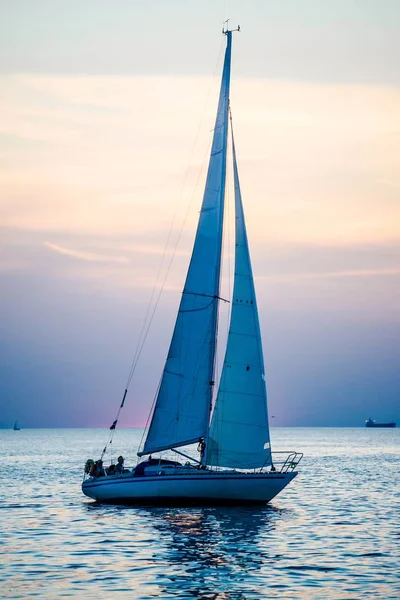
(208, 553)
(206, 549)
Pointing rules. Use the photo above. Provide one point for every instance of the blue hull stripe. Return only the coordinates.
(177, 478)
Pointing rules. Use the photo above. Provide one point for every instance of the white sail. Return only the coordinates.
(182, 412)
(239, 432)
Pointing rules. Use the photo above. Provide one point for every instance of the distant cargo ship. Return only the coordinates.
(372, 423)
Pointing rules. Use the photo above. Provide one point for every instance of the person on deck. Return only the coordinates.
(119, 467)
(111, 470)
(99, 469)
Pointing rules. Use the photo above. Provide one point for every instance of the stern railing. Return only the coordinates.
(286, 461)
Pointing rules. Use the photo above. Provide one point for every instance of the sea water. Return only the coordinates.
(333, 533)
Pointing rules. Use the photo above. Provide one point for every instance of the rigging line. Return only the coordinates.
(225, 11)
(226, 257)
(155, 307)
(140, 344)
(149, 415)
(194, 189)
(167, 273)
(199, 128)
(229, 210)
(194, 383)
(159, 297)
(228, 223)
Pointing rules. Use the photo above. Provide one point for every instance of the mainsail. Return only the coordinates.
(182, 411)
(239, 433)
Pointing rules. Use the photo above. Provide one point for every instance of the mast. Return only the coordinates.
(239, 432)
(182, 411)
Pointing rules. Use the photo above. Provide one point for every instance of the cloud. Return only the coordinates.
(118, 155)
(332, 274)
(86, 256)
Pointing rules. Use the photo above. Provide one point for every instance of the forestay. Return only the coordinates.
(239, 433)
(182, 412)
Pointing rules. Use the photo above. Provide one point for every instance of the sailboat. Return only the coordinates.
(16, 426)
(235, 462)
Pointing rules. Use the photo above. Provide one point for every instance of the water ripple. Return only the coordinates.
(332, 535)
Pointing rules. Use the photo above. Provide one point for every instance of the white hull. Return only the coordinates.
(196, 487)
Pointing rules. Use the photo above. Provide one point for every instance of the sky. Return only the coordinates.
(106, 117)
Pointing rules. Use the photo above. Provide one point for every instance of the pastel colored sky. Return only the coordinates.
(106, 112)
